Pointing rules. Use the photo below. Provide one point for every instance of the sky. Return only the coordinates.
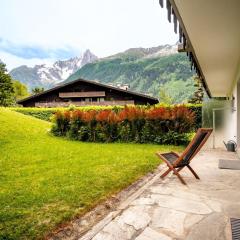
(43, 31)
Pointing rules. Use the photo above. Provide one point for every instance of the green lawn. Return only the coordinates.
(45, 181)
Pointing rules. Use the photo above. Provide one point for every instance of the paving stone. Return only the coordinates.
(210, 228)
(103, 236)
(169, 219)
(192, 219)
(123, 229)
(150, 234)
(115, 231)
(161, 189)
(143, 201)
(214, 205)
(232, 209)
(136, 216)
(183, 193)
(185, 205)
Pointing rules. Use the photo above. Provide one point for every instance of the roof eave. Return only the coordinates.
(184, 37)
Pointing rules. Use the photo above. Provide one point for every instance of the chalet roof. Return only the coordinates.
(89, 82)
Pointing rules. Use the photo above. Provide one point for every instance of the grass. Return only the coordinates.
(46, 181)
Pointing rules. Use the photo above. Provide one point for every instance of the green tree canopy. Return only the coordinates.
(174, 92)
(6, 87)
(37, 90)
(164, 97)
(20, 90)
(198, 93)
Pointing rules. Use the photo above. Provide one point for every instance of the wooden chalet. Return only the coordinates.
(86, 93)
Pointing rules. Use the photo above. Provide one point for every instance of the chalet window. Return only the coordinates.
(88, 99)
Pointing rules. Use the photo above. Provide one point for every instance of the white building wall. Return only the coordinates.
(227, 120)
(238, 114)
(231, 117)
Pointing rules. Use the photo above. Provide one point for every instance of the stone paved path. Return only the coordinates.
(169, 210)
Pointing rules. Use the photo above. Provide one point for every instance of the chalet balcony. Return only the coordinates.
(84, 103)
(81, 94)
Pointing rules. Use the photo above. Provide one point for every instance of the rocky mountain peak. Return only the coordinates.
(46, 76)
(88, 57)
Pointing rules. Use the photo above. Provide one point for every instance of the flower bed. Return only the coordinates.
(162, 125)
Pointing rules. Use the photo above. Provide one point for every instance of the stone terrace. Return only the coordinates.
(168, 210)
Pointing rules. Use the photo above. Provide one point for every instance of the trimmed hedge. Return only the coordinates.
(47, 113)
(161, 125)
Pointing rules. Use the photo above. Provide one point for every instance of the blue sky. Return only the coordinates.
(42, 31)
(31, 51)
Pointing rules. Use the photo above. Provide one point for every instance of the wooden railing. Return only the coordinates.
(81, 94)
(66, 104)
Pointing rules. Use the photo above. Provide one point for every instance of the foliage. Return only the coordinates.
(144, 74)
(162, 125)
(177, 91)
(6, 87)
(47, 113)
(20, 90)
(47, 181)
(198, 94)
(197, 109)
(37, 90)
(164, 97)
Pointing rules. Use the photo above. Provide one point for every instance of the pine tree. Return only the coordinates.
(164, 97)
(37, 90)
(6, 87)
(198, 94)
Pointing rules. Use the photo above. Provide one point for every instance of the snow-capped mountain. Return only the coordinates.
(153, 52)
(162, 51)
(50, 75)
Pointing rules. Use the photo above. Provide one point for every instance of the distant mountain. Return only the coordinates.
(136, 53)
(50, 75)
(145, 70)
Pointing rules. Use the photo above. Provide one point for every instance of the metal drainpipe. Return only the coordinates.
(214, 127)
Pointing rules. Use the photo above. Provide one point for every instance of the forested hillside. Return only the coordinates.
(143, 73)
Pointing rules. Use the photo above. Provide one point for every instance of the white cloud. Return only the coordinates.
(13, 61)
(105, 27)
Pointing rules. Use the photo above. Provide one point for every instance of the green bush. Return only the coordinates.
(47, 113)
(41, 113)
(197, 109)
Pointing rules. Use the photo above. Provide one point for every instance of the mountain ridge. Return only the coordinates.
(145, 70)
(140, 52)
(48, 75)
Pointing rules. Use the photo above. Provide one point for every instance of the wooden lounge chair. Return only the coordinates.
(177, 162)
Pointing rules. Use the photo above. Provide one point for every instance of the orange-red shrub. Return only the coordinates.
(131, 113)
(89, 116)
(157, 124)
(158, 113)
